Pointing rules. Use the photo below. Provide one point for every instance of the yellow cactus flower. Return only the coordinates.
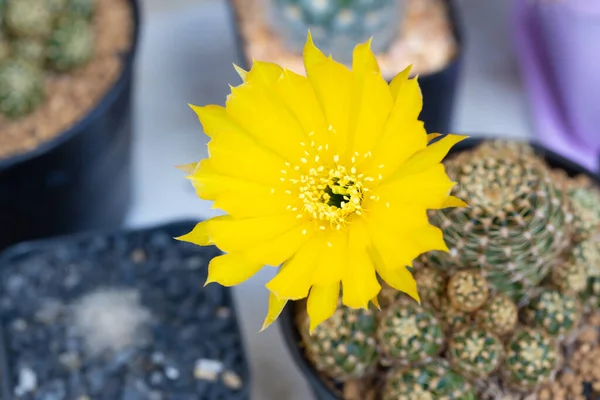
(328, 176)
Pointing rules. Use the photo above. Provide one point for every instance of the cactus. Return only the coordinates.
(81, 8)
(337, 25)
(499, 315)
(4, 49)
(517, 224)
(71, 43)
(468, 290)
(30, 18)
(29, 49)
(21, 88)
(57, 7)
(344, 346)
(451, 318)
(432, 381)
(585, 199)
(408, 333)
(587, 252)
(555, 312)
(431, 284)
(570, 276)
(591, 295)
(531, 358)
(474, 352)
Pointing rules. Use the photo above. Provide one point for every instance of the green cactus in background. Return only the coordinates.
(4, 49)
(433, 381)
(431, 284)
(585, 198)
(81, 8)
(409, 332)
(570, 276)
(337, 25)
(517, 222)
(499, 315)
(344, 346)
(587, 253)
(468, 290)
(555, 312)
(451, 318)
(29, 18)
(475, 353)
(531, 358)
(71, 43)
(29, 49)
(591, 295)
(21, 88)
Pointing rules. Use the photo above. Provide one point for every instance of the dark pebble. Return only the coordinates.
(96, 379)
(53, 390)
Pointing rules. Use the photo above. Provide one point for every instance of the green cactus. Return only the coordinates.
(71, 43)
(531, 358)
(591, 296)
(408, 333)
(585, 198)
(433, 381)
(29, 49)
(517, 223)
(21, 88)
(555, 312)
(468, 290)
(499, 315)
(57, 7)
(475, 353)
(570, 276)
(587, 252)
(344, 346)
(337, 25)
(81, 8)
(451, 318)
(29, 18)
(4, 49)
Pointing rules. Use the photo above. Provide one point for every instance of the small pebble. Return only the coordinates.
(156, 378)
(207, 370)
(27, 381)
(158, 358)
(232, 380)
(70, 360)
(138, 256)
(19, 325)
(223, 312)
(172, 373)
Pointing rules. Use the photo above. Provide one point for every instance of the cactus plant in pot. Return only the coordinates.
(66, 74)
(523, 319)
(425, 33)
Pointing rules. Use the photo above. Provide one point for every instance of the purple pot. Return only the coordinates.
(558, 46)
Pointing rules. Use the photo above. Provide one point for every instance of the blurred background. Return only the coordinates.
(486, 82)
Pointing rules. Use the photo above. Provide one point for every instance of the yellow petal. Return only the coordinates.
(267, 120)
(332, 260)
(371, 101)
(281, 248)
(453, 201)
(241, 72)
(276, 306)
(231, 269)
(295, 278)
(332, 83)
(188, 168)
(399, 80)
(312, 55)
(432, 136)
(375, 302)
(360, 282)
(264, 73)
(429, 188)
(322, 303)
(398, 278)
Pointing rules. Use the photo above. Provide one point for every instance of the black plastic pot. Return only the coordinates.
(79, 180)
(439, 88)
(188, 323)
(324, 389)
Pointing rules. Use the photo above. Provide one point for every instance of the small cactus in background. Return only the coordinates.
(81, 8)
(71, 43)
(468, 290)
(29, 49)
(585, 199)
(431, 284)
(570, 277)
(29, 18)
(591, 295)
(555, 312)
(21, 88)
(499, 315)
(344, 346)
(432, 381)
(531, 358)
(337, 25)
(516, 225)
(57, 6)
(409, 333)
(474, 352)
(587, 253)
(4, 49)
(451, 318)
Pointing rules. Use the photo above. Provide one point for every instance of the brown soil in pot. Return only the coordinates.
(426, 39)
(70, 96)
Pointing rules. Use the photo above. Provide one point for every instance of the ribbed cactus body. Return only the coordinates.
(71, 43)
(475, 353)
(21, 88)
(468, 290)
(555, 312)
(499, 315)
(30, 18)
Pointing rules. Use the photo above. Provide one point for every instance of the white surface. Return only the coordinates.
(185, 57)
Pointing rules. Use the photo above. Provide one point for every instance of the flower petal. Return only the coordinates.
(433, 136)
(264, 73)
(312, 55)
(360, 282)
(294, 279)
(453, 201)
(276, 306)
(332, 260)
(322, 303)
(398, 81)
(241, 72)
(398, 278)
(231, 269)
(371, 101)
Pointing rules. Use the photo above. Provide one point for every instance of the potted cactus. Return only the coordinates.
(65, 87)
(425, 33)
(118, 316)
(500, 314)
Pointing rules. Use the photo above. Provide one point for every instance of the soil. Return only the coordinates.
(426, 39)
(70, 96)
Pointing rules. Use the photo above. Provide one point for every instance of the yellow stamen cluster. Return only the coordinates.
(330, 191)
